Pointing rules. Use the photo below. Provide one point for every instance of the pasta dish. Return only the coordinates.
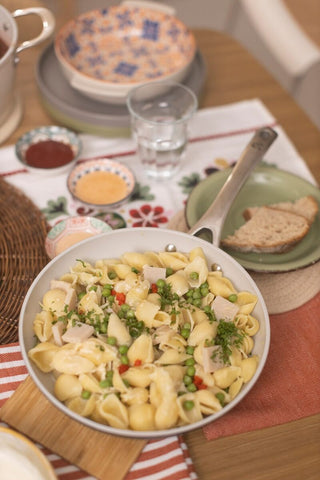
(147, 341)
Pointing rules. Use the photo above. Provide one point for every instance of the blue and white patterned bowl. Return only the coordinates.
(40, 134)
(104, 53)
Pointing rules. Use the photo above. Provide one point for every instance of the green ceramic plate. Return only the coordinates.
(265, 185)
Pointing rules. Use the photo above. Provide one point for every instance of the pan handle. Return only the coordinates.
(211, 223)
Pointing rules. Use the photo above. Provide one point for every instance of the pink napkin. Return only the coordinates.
(164, 459)
(289, 387)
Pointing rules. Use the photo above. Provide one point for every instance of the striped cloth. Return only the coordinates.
(164, 459)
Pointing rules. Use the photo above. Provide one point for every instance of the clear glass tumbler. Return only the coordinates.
(160, 112)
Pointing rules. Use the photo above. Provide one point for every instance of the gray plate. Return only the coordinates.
(79, 112)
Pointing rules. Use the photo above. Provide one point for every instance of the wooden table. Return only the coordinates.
(289, 451)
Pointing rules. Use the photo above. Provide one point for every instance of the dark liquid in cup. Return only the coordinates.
(3, 48)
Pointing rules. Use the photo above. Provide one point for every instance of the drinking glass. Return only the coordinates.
(160, 112)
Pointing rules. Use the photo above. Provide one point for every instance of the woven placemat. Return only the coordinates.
(22, 254)
(282, 292)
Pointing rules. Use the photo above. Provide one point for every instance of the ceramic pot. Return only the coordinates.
(10, 113)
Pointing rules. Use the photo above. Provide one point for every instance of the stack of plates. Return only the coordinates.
(74, 110)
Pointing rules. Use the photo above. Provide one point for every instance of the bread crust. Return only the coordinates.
(269, 230)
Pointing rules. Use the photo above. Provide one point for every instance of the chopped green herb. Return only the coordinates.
(81, 261)
(228, 335)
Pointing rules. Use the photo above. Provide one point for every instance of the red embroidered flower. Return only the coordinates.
(148, 216)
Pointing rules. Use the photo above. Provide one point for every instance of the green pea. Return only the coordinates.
(111, 340)
(81, 295)
(123, 349)
(169, 271)
(191, 387)
(93, 288)
(188, 405)
(204, 291)
(187, 380)
(196, 302)
(125, 307)
(126, 382)
(124, 359)
(233, 298)
(189, 293)
(220, 397)
(130, 314)
(134, 270)
(103, 328)
(160, 283)
(187, 326)
(191, 371)
(185, 333)
(112, 275)
(196, 293)
(106, 383)
(109, 374)
(85, 394)
(190, 362)
(190, 350)
(194, 275)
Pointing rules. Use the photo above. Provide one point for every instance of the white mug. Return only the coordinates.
(8, 61)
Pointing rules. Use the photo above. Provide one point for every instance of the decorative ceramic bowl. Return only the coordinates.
(101, 183)
(72, 230)
(21, 458)
(111, 246)
(48, 150)
(104, 53)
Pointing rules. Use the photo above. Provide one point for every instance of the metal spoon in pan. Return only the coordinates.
(211, 223)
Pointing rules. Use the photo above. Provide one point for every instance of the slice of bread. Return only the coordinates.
(306, 207)
(268, 231)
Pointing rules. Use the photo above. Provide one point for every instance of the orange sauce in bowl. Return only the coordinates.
(71, 239)
(101, 188)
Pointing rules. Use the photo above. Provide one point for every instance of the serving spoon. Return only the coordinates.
(209, 226)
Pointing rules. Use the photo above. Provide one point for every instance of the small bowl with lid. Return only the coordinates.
(101, 183)
(48, 150)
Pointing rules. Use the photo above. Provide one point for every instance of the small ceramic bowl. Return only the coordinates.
(20, 458)
(101, 183)
(105, 53)
(48, 150)
(72, 230)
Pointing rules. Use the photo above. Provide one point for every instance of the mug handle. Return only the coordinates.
(48, 25)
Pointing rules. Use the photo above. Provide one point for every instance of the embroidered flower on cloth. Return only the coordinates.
(148, 216)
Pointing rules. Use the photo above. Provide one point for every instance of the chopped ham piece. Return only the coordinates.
(152, 274)
(57, 330)
(71, 296)
(210, 364)
(162, 334)
(78, 334)
(223, 309)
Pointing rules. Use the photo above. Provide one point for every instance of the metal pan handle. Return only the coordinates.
(211, 223)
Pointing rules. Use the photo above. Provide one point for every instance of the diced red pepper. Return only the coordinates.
(123, 368)
(197, 380)
(154, 288)
(202, 386)
(113, 292)
(121, 298)
(137, 362)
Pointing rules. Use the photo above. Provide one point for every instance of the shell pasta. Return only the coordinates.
(147, 341)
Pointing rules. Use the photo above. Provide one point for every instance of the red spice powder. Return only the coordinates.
(48, 154)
